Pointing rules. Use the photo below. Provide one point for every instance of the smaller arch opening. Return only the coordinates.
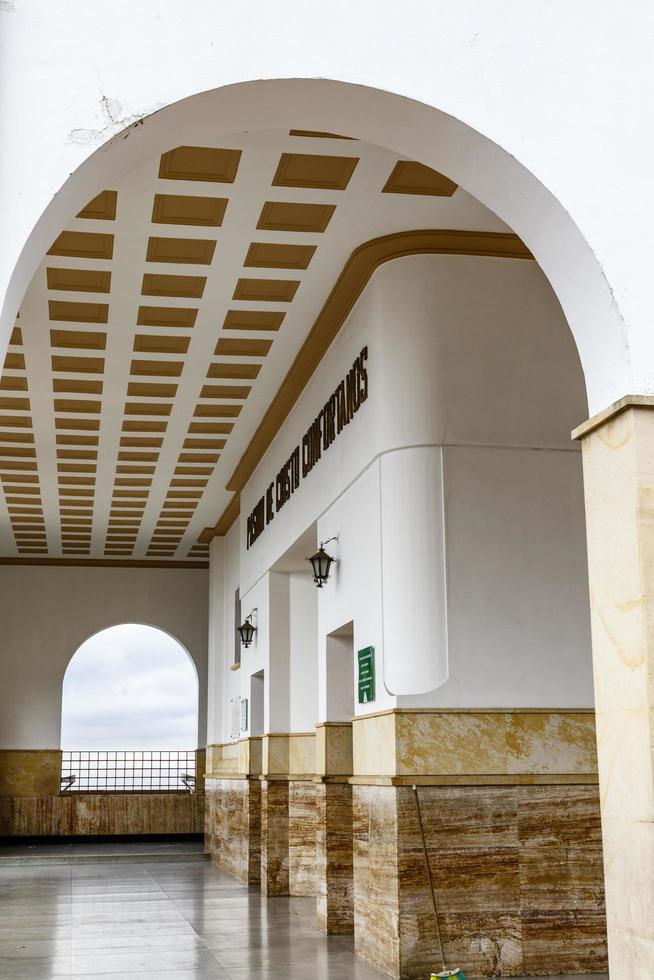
(129, 713)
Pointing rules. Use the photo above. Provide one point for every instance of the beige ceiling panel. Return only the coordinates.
(411, 177)
(154, 344)
(102, 207)
(200, 163)
(79, 280)
(78, 339)
(182, 251)
(242, 347)
(184, 209)
(187, 287)
(78, 312)
(266, 290)
(253, 320)
(314, 170)
(83, 245)
(166, 316)
(275, 255)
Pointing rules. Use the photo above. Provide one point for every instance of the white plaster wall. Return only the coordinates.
(563, 93)
(473, 355)
(47, 612)
(303, 651)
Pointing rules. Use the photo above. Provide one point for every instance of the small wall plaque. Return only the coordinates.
(366, 676)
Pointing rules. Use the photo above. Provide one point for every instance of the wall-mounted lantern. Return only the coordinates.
(247, 629)
(321, 563)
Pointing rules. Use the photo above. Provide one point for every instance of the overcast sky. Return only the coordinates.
(130, 687)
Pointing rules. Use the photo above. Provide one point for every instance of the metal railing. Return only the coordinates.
(125, 771)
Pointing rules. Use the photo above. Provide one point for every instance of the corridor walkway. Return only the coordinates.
(160, 921)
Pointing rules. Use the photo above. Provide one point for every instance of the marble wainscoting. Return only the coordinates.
(233, 826)
(334, 868)
(302, 825)
(107, 814)
(274, 837)
(517, 872)
(30, 772)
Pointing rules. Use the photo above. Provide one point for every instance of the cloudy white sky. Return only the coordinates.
(130, 687)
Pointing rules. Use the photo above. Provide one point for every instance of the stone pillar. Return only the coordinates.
(510, 811)
(618, 461)
(334, 873)
(274, 837)
(334, 869)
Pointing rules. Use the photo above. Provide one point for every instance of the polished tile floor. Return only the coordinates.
(159, 921)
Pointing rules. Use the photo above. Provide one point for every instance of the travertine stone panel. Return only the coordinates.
(517, 873)
(233, 826)
(287, 754)
(30, 773)
(223, 758)
(301, 838)
(334, 869)
(334, 749)
(114, 813)
(618, 462)
(419, 742)
(274, 837)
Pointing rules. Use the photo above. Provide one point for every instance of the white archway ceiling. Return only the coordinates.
(163, 320)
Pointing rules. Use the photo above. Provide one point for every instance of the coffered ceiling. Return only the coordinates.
(164, 319)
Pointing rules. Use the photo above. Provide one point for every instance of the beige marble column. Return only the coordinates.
(274, 837)
(334, 863)
(618, 461)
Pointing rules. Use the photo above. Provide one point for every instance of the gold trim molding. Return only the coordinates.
(354, 277)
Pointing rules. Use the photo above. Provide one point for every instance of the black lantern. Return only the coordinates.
(321, 563)
(247, 630)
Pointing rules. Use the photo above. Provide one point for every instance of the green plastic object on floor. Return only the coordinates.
(452, 974)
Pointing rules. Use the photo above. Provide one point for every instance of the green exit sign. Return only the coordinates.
(366, 682)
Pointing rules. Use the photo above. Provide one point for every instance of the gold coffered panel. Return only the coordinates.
(102, 207)
(155, 345)
(200, 163)
(314, 170)
(409, 177)
(184, 209)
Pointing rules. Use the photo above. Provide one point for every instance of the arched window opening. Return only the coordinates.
(129, 713)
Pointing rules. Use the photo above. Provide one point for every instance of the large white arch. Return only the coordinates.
(408, 127)
(153, 631)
